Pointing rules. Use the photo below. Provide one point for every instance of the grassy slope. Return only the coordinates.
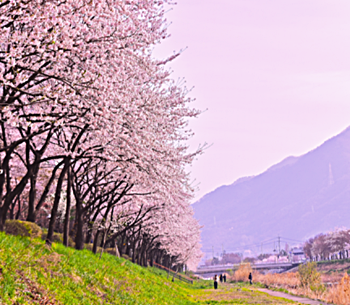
(333, 271)
(342, 265)
(30, 272)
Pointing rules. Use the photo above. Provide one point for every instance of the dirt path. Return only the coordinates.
(292, 297)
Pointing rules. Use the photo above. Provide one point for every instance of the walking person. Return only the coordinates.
(250, 277)
(221, 278)
(215, 282)
(224, 277)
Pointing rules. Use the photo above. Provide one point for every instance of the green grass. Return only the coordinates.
(341, 261)
(246, 284)
(31, 272)
(280, 290)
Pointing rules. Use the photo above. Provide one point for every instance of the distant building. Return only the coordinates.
(273, 258)
(297, 255)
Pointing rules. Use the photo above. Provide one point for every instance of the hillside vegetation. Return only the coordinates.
(32, 272)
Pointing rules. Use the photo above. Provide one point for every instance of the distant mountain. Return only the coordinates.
(296, 198)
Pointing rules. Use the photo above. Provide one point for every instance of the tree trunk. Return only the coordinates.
(9, 198)
(116, 250)
(67, 217)
(12, 210)
(104, 240)
(133, 251)
(151, 258)
(32, 195)
(79, 238)
(5, 173)
(97, 235)
(19, 207)
(55, 205)
(32, 217)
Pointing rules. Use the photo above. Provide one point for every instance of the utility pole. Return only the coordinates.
(279, 244)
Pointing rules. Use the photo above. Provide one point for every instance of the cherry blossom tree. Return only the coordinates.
(85, 107)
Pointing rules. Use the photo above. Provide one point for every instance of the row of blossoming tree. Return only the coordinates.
(332, 245)
(93, 129)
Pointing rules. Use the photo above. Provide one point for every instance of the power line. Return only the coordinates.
(301, 241)
(265, 242)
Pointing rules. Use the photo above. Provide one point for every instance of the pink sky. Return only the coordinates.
(274, 76)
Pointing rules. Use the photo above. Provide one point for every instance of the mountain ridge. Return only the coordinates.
(297, 197)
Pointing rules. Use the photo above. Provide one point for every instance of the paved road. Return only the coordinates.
(292, 297)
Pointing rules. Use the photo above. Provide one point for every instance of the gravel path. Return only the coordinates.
(292, 297)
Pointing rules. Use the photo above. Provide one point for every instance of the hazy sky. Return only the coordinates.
(273, 74)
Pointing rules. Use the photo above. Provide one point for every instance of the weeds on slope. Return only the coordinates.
(31, 272)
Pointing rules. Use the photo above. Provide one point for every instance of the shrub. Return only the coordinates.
(340, 294)
(110, 251)
(318, 289)
(22, 228)
(126, 257)
(58, 238)
(241, 275)
(286, 280)
(90, 247)
(192, 275)
(308, 275)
